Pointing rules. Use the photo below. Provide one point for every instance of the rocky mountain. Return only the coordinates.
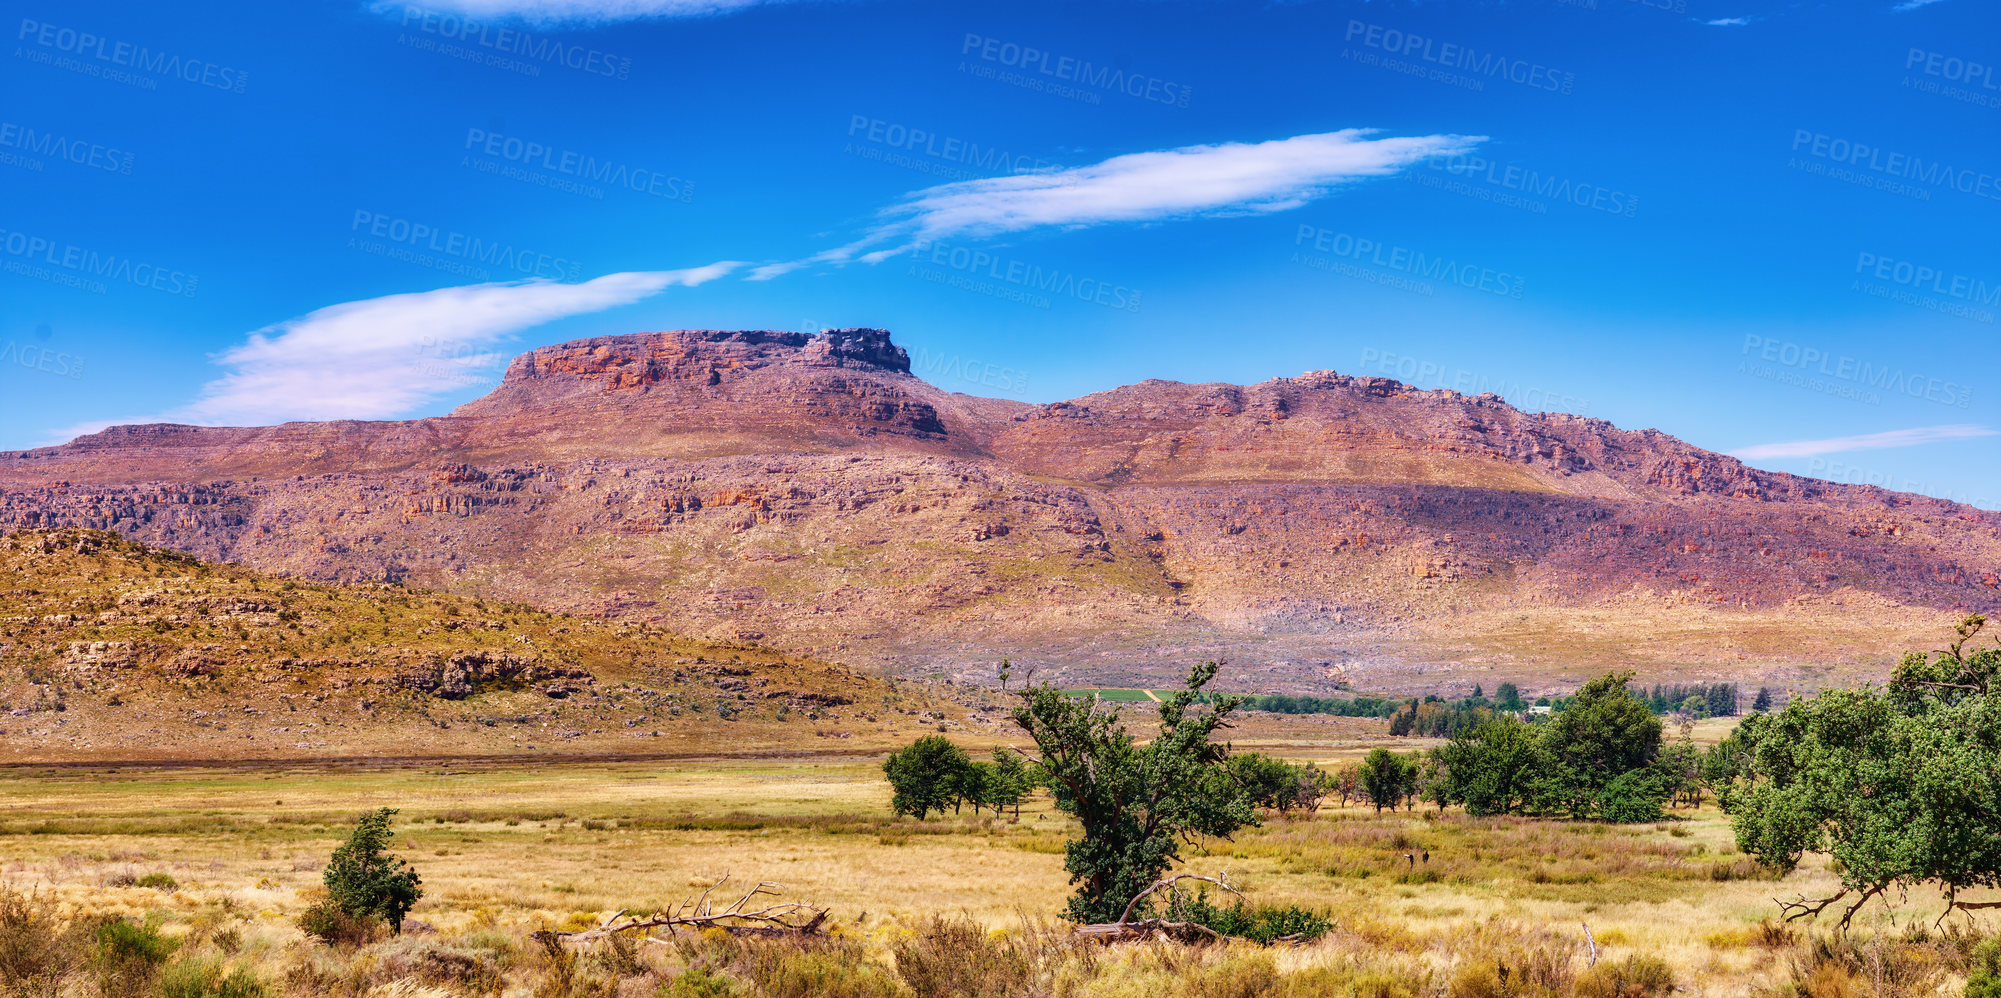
(809, 493)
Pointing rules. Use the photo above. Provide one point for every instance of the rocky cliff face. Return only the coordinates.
(807, 491)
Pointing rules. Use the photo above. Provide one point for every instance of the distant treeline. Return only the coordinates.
(1435, 717)
(1699, 700)
(1338, 706)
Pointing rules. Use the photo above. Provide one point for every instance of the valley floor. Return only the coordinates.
(506, 848)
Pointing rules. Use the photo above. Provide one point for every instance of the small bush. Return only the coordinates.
(1983, 978)
(158, 881)
(952, 956)
(36, 952)
(699, 983)
(329, 923)
(1260, 925)
(127, 957)
(1637, 977)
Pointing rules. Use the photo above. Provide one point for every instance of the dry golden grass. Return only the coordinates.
(508, 848)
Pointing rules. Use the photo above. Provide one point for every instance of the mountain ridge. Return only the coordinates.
(809, 491)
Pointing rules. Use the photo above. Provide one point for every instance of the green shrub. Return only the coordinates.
(203, 977)
(127, 957)
(159, 881)
(1263, 925)
(1983, 978)
(699, 983)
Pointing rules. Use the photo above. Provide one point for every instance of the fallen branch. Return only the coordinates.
(1125, 928)
(787, 918)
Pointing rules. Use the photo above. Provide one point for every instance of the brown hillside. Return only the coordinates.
(810, 493)
(112, 650)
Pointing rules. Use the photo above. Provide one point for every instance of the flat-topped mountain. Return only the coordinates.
(810, 493)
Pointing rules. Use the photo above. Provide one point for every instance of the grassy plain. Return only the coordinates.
(512, 846)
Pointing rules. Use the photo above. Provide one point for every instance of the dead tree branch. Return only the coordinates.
(1125, 928)
(784, 918)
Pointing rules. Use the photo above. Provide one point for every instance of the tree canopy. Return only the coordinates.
(1901, 785)
(1136, 803)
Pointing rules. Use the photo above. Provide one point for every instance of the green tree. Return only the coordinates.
(1602, 732)
(927, 775)
(364, 881)
(1136, 802)
(1010, 779)
(1268, 782)
(1508, 698)
(1764, 700)
(1489, 768)
(1902, 785)
(1387, 778)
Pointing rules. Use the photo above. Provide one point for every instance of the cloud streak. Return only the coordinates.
(380, 358)
(581, 11)
(1866, 441)
(1231, 178)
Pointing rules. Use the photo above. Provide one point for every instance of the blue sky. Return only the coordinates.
(1765, 228)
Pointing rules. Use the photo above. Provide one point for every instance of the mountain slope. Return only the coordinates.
(810, 493)
(114, 650)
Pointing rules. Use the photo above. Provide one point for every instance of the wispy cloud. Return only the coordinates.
(384, 357)
(1867, 441)
(1231, 178)
(586, 11)
(1728, 22)
(1913, 4)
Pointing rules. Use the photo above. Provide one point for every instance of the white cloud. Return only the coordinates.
(1728, 22)
(1913, 4)
(556, 11)
(383, 357)
(1867, 441)
(1231, 178)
